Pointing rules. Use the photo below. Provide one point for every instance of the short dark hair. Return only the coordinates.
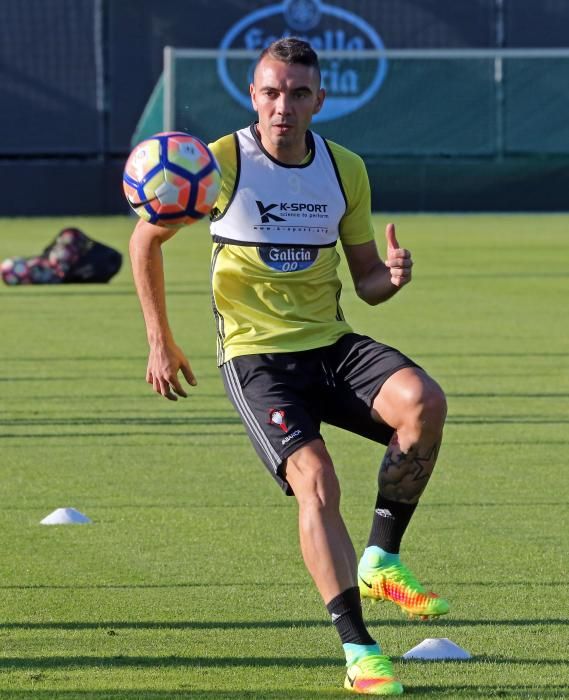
(290, 50)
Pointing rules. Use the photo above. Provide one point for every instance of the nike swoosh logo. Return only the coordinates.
(350, 679)
(365, 582)
(140, 204)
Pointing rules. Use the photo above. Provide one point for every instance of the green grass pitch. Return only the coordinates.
(189, 583)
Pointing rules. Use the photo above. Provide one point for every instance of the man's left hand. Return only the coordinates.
(398, 259)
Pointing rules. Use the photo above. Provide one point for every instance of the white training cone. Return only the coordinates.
(65, 516)
(437, 650)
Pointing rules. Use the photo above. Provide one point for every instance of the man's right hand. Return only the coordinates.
(165, 361)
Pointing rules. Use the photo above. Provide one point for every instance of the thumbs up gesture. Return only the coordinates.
(398, 259)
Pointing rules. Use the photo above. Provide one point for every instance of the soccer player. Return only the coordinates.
(288, 358)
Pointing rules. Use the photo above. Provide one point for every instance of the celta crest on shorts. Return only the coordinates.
(277, 417)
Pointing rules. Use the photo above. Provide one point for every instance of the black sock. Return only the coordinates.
(390, 521)
(346, 612)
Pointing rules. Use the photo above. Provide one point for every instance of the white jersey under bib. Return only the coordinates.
(278, 204)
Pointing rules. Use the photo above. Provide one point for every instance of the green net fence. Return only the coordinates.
(437, 103)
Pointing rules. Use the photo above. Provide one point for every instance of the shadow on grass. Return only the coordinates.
(65, 291)
(180, 625)
(122, 661)
(541, 692)
(185, 430)
(487, 659)
(510, 394)
(135, 395)
(449, 691)
(139, 420)
(249, 584)
(270, 624)
(281, 694)
(540, 354)
(162, 662)
(512, 420)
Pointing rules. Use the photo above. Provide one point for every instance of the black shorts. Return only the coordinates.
(283, 398)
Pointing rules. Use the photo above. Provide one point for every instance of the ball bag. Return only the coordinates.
(72, 257)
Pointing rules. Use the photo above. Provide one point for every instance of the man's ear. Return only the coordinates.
(252, 93)
(320, 97)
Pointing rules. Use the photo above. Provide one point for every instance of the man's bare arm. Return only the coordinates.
(165, 358)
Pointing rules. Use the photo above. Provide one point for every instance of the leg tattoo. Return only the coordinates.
(403, 475)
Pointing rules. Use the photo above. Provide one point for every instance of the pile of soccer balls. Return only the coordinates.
(52, 266)
(171, 179)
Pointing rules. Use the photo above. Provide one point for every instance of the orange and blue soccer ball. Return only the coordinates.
(171, 179)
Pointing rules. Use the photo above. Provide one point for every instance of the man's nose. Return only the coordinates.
(283, 103)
